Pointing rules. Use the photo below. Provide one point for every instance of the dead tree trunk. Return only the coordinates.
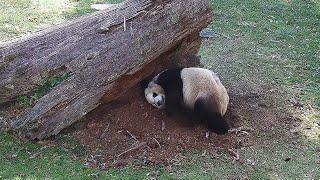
(106, 53)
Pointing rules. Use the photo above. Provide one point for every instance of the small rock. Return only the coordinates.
(101, 6)
(170, 169)
(207, 134)
(208, 33)
(295, 102)
(272, 90)
(287, 159)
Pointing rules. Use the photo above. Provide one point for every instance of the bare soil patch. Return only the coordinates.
(131, 130)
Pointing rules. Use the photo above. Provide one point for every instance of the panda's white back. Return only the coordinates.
(203, 83)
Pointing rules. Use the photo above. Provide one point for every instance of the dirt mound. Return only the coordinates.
(130, 129)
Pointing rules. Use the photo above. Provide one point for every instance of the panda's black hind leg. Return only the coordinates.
(214, 120)
(217, 124)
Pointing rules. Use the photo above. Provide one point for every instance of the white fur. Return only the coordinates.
(203, 83)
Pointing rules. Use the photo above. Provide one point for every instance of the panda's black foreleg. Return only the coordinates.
(191, 118)
(169, 111)
(214, 120)
(173, 101)
(172, 108)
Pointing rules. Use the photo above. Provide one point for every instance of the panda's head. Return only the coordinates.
(154, 94)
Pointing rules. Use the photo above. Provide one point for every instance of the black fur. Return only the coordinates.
(214, 120)
(144, 83)
(171, 82)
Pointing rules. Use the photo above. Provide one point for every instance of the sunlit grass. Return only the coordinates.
(288, 32)
(310, 126)
(57, 6)
(29, 160)
(20, 17)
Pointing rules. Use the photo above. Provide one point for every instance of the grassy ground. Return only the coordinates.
(20, 17)
(268, 46)
(284, 41)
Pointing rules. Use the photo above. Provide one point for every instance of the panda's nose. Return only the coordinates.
(161, 101)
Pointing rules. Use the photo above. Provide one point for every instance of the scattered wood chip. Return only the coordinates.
(124, 23)
(137, 146)
(103, 166)
(34, 155)
(204, 153)
(225, 36)
(235, 154)
(96, 175)
(163, 125)
(272, 90)
(169, 169)
(214, 154)
(157, 142)
(311, 108)
(241, 130)
(207, 134)
(296, 102)
(131, 135)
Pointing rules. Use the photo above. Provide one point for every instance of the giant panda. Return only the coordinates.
(194, 90)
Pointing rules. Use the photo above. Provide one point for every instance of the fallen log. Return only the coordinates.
(106, 53)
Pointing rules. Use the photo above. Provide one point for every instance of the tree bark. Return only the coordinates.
(106, 53)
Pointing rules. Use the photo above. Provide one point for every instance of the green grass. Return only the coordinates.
(275, 161)
(284, 40)
(23, 16)
(29, 100)
(20, 17)
(262, 44)
(83, 7)
(28, 160)
(270, 46)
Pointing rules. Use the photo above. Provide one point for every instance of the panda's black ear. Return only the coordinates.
(144, 83)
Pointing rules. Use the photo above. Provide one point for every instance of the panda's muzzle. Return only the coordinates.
(161, 101)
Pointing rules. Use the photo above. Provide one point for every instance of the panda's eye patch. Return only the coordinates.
(154, 94)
